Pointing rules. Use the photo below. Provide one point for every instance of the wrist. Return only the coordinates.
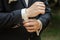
(27, 12)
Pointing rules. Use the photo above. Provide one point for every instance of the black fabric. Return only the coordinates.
(10, 15)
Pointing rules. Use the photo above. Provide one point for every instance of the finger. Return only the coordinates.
(29, 20)
(41, 5)
(31, 31)
(42, 11)
(30, 28)
(40, 8)
(29, 24)
(39, 2)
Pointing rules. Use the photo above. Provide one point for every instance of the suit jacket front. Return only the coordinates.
(11, 15)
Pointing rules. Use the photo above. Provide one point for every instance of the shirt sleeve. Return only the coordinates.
(24, 15)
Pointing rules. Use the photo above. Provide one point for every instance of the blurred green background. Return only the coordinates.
(52, 32)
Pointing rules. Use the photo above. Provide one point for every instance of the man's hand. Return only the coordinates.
(32, 25)
(36, 9)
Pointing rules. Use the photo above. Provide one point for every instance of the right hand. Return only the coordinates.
(36, 9)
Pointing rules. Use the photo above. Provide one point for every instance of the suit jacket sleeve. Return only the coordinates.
(46, 17)
(9, 19)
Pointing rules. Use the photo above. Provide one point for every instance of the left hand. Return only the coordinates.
(32, 25)
(35, 9)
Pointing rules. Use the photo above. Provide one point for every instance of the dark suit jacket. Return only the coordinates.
(10, 15)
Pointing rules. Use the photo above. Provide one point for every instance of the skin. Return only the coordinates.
(32, 25)
(36, 9)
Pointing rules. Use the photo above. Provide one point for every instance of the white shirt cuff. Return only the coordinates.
(38, 31)
(23, 13)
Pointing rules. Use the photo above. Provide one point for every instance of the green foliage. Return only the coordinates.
(53, 31)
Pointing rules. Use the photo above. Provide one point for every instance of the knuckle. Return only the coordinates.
(44, 9)
(43, 4)
(35, 2)
(44, 12)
